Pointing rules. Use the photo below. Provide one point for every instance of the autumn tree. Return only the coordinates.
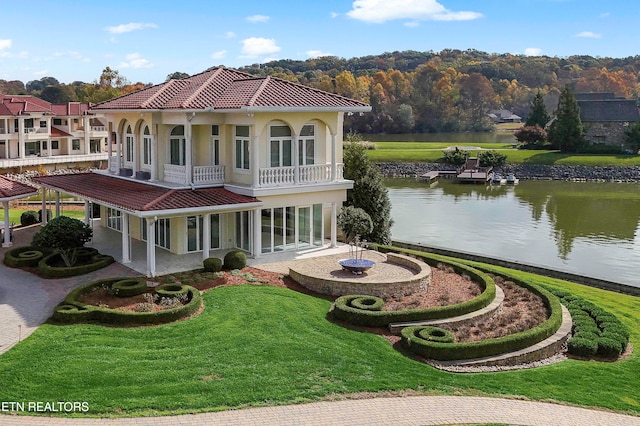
(566, 132)
(477, 98)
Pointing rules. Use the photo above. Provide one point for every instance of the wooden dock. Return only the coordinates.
(434, 175)
(474, 176)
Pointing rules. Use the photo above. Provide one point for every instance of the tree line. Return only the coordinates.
(409, 91)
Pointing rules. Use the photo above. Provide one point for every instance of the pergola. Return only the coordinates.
(12, 190)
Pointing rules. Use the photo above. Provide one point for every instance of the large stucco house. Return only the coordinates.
(35, 133)
(220, 160)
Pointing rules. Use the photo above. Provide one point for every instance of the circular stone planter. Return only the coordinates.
(356, 266)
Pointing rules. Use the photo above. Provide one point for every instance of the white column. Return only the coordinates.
(6, 241)
(334, 166)
(118, 153)
(334, 224)
(257, 233)
(255, 160)
(188, 152)
(44, 206)
(87, 133)
(126, 249)
(151, 247)
(21, 147)
(154, 157)
(206, 235)
(57, 203)
(296, 160)
(87, 212)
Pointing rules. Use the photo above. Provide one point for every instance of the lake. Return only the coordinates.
(579, 227)
(453, 137)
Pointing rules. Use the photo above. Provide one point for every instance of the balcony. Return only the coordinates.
(34, 160)
(305, 175)
(202, 175)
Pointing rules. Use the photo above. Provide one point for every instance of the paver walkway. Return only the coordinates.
(21, 312)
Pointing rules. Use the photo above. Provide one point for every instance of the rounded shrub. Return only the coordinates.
(586, 348)
(436, 334)
(23, 256)
(367, 303)
(63, 233)
(85, 254)
(30, 217)
(129, 287)
(235, 259)
(172, 290)
(212, 264)
(609, 348)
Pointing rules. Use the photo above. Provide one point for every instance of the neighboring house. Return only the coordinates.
(220, 160)
(606, 118)
(35, 133)
(504, 116)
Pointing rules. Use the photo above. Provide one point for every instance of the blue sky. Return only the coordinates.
(146, 41)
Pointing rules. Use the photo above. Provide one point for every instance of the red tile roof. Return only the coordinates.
(57, 133)
(223, 88)
(10, 188)
(24, 104)
(135, 196)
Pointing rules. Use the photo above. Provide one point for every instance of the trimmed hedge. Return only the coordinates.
(72, 311)
(46, 269)
(172, 290)
(24, 256)
(129, 287)
(30, 217)
(606, 335)
(357, 310)
(235, 259)
(212, 264)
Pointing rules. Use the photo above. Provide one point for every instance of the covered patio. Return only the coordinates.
(11, 190)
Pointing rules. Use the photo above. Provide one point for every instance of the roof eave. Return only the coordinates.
(304, 109)
(198, 210)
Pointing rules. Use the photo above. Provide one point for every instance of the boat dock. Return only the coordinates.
(434, 175)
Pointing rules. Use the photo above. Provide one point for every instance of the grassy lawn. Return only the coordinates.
(432, 152)
(14, 214)
(260, 345)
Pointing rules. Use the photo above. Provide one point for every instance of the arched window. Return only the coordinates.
(280, 146)
(177, 146)
(146, 146)
(128, 148)
(307, 145)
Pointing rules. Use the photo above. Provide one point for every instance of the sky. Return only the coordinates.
(145, 41)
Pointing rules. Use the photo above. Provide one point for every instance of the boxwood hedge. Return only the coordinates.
(47, 268)
(24, 256)
(367, 310)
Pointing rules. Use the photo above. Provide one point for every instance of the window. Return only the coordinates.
(114, 219)
(215, 145)
(57, 121)
(242, 148)
(43, 124)
(194, 233)
(163, 236)
(128, 148)
(243, 230)
(55, 145)
(306, 145)
(177, 146)
(32, 148)
(215, 231)
(280, 146)
(146, 146)
(44, 145)
(94, 146)
(75, 144)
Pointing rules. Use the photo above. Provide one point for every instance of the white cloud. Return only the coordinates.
(379, 11)
(412, 24)
(588, 34)
(127, 28)
(533, 51)
(256, 46)
(5, 44)
(41, 73)
(133, 60)
(219, 54)
(318, 53)
(334, 15)
(229, 34)
(257, 18)
(605, 15)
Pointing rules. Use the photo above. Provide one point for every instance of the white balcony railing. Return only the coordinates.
(34, 160)
(175, 174)
(317, 173)
(98, 128)
(208, 175)
(113, 164)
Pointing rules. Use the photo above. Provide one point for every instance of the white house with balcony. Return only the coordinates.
(220, 160)
(34, 132)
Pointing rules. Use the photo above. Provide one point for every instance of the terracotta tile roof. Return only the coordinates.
(70, 108)
(135, 196)
(57, 133)
(21, 104)
(10, 188)
(223, 88)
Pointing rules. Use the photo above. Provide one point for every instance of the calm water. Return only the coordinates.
(453, 137)
(585, 228)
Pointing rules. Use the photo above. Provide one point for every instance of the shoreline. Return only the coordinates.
(525, 171)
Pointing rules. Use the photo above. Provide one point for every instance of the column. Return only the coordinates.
(206, 235)
(126, 248)
(188, 130)
(87, 133)
(118, 153)
(6, 241)
(87, 212)
(21, 149)
(154, 157)
(257, 233)
(296, 159)
(334, 166)
(44, 207)
(57, 203)
(334, 224)
(255, 160)
(151, 246)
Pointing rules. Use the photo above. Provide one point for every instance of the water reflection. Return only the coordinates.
(588, 228)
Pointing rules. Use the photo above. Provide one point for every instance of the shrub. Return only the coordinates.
(609, 348)
(492, 158)
(367, 303)
(586, 348)
(172, 290)
(30, 217)
(212, 264)
(63, 233)
(354, 221)
(456, 157)
(40, 215)
(435, 334)
(23, 256)
(47, 267)
(235, 259)
(129, 287)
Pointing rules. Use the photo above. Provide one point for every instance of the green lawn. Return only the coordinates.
(14, 214)
(432, 152)
(259, 345)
